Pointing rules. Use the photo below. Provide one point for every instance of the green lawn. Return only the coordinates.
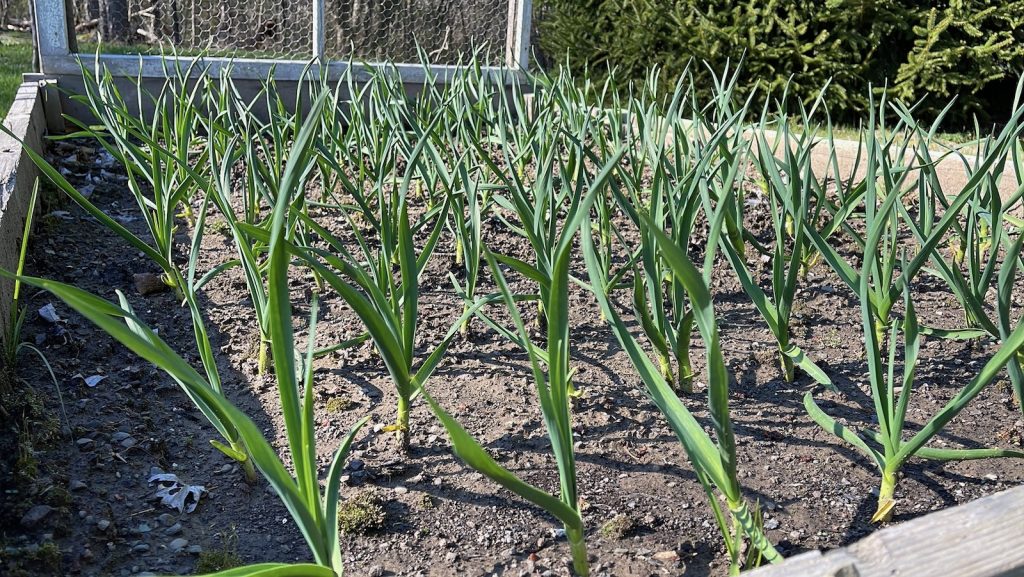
(15, 60)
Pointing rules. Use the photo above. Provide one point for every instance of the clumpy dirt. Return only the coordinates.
(441, 518)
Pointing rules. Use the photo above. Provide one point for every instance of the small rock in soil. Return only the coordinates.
(178, 544)
(166, 519)
(173, 529)
(140, 548)
(375, 571)
(35, 516)
(103, 524)
(771, 524)
(148, 283)
(76, 485)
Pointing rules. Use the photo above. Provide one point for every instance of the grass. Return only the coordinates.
(15, 60)
(965, 142)
(89, 47)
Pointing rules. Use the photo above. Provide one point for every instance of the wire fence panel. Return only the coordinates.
(447, 31)
(243, 28)
(390, 30)
(14, 13)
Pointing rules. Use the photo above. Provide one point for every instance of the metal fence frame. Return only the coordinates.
(59, 56)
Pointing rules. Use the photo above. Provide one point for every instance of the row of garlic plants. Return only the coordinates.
(614, 180)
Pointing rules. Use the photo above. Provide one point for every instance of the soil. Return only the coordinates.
(441, 518)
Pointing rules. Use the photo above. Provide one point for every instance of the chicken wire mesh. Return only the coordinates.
(361, 30)
(14, 13)
(392, 29)
(251, 28)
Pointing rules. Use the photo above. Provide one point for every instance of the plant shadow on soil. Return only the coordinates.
(443, 519)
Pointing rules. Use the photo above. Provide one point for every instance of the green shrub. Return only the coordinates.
(921, 49)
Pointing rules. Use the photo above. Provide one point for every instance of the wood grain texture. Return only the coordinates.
(27, 121)
(984, 538)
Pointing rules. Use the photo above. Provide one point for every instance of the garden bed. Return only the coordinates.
(441, 518)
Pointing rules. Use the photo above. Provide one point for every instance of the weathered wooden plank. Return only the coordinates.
(26, 119)
(133, 66)
(984, 538)
(51, 29)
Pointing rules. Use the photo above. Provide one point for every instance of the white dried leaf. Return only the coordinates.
(94, 380)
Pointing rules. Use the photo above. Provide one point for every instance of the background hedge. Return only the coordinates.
(931, 50)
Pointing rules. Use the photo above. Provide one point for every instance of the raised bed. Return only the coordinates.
(440, 517)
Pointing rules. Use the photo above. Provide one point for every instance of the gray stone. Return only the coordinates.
(173, 529)
(178, 544)
(76, 485)
(103, 524)
(35, 516)
(166, 519)
(140, 548)
(194, 549)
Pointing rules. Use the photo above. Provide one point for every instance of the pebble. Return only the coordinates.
(177, 545)
(375, 571)
(35, 516)
(128, 443)
(194, 549)
(166, 519)
(143, 528)
(401, 490)
(771, 524)
(84, 443)
(76, 485)
(666, 556)
(140, 548)
(103, 524)
(173, 529)
(119, 436)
